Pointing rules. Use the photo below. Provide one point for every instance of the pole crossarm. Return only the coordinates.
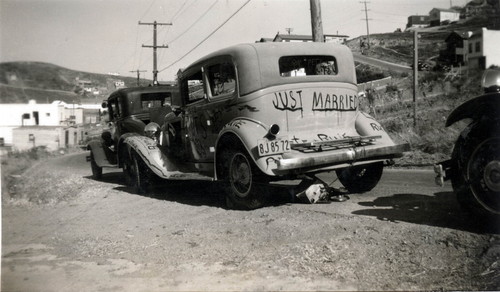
(154, 46)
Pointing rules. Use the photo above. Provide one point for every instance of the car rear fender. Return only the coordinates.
(147, 149)
(366, 125)
(246, 132)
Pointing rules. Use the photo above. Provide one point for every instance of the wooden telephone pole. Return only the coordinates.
(316, 22)
(154, 46)
(138, 75)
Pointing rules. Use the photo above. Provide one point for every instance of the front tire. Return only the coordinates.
(360, 178)
(137, 174)
(245, 185)
(96, 169)
(476, 177)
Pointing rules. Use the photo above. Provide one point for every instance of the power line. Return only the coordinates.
(194, 23)
(202, 41)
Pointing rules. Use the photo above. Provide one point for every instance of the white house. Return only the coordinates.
(55, 114)
(483, 49)
(438, 16)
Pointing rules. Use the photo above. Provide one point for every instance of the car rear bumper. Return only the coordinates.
(346, 155)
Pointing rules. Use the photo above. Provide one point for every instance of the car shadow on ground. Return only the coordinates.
(196, 193)
(439, 210)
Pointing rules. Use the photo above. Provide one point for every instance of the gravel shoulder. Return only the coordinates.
(62, 231)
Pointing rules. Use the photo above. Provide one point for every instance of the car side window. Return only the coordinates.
(222, 79)
(294, 66)
(113, 109)
(194, 88)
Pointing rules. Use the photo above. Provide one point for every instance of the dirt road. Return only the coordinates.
(62, 231)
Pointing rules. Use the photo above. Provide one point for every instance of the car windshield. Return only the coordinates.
(295, 66)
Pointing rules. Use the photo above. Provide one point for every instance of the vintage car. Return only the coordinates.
(253, 114)
(129, 110)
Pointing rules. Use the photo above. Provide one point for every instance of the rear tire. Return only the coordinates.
(360, 178)
(245, 185)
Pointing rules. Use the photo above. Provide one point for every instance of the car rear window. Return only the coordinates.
(154, 100)
(295, 66)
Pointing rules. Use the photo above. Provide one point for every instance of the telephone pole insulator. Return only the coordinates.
(154, 46)
(138, 75)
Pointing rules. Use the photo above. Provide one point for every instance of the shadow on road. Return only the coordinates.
(440, 210)
(196, 193)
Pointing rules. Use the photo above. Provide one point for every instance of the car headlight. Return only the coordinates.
(152, 130)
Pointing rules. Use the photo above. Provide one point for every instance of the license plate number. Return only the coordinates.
(270, 147)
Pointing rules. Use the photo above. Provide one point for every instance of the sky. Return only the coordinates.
(104, 36)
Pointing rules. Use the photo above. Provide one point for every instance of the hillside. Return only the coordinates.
(43, 82)
(397, 47)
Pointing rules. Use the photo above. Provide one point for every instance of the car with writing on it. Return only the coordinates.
(253, 114)
(129, 110)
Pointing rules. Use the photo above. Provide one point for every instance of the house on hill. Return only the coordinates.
(329, 38)
(417, 21)
(440, 16)
(476, 50)
(456, 50)
(483, 49)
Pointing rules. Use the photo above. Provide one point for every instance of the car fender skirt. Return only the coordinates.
(153, 157)
(342, 156)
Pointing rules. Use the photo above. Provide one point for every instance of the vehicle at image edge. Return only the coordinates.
(474, 167)
(253, 114)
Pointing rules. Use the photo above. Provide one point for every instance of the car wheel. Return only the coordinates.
(244, 183)
(476, 180)
(137, 174)
(360, 178)
(96, 169)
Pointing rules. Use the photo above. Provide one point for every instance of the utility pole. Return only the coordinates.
(154, 46)
(138, 75)
(415, 76)
(366, 18)
(316, 22)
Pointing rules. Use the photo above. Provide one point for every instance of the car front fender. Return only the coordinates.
(147, 149)
(484, 105)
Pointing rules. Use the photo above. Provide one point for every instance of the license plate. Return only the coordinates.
(276, 146)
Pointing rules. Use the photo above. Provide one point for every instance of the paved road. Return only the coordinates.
(379, 63)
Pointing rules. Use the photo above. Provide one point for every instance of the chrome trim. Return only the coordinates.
(352, 155)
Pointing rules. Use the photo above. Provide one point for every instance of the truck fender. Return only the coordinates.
(151, 154)
(247, 131)
(487, 104)
(101, 153)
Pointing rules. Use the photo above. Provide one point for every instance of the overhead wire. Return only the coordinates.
(194, 23)
(207, 37)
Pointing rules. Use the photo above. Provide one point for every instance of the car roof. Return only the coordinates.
(129, 91)
(257, 63)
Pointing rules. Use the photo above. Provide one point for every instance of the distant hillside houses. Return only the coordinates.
(478, 49)
(444, 16)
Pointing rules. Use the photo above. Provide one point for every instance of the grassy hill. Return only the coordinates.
(43, 82)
